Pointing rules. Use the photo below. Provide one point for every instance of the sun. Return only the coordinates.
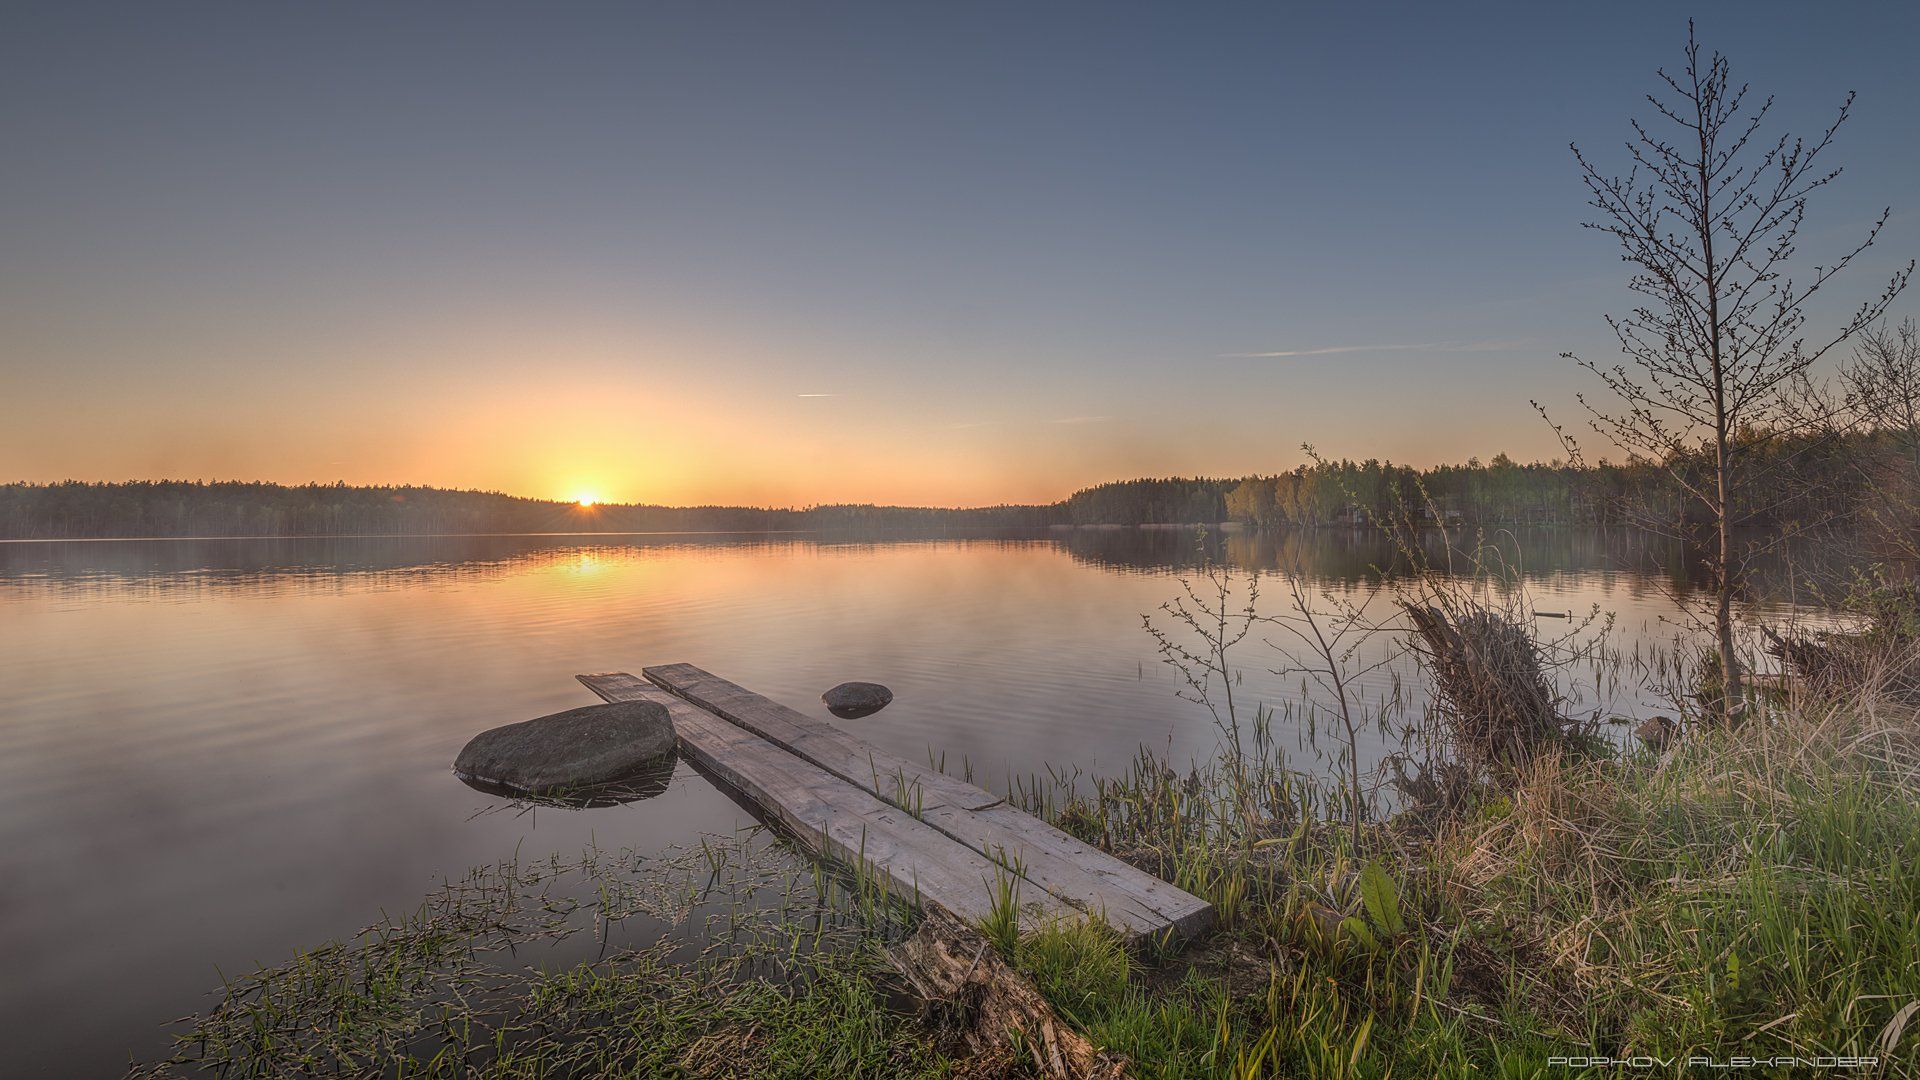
(586, 499)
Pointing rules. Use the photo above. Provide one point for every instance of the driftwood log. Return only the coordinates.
(970, 994)
(1884, 660)
(1812, 659)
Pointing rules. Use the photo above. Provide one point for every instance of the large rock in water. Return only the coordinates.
(852, 700)
(579, 748)
(653, 779)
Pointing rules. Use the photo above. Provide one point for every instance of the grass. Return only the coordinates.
(790, 982)
(1754, 894)
(644, 1015)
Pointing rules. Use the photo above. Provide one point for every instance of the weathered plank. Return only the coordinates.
(835, 819)
(894, 778)
(1136, 903)
(1131, 900)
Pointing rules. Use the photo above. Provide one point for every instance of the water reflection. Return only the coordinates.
(317, 561)
(1630, 558)
(1633, 560)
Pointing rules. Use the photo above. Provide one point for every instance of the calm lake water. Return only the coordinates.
(213, 753)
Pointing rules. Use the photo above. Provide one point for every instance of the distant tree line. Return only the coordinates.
(1371, 492)
(233, 508)
(1828, 471)
(1832, 475)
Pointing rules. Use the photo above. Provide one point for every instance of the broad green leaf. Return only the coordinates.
(1382, 899)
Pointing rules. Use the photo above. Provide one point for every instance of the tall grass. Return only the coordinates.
(1751, 893)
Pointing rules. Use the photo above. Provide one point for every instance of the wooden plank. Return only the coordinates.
(835, 819)
(1132, 900)
(896, 779)
(1136, 903)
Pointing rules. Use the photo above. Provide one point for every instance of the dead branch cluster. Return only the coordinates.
(1489, 684)
(1839, 663)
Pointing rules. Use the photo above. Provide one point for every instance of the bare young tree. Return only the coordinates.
(1883, 386)
(1329, 629)
(1214, 620)
(1716, 376)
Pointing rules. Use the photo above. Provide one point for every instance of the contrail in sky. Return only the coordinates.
(1424, 346)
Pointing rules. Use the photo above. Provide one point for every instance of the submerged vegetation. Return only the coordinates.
(776, 971)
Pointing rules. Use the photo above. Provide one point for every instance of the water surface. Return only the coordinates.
(215, 752)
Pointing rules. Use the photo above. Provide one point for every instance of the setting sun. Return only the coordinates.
(586, 499)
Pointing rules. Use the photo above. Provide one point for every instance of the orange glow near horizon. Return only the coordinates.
(702, 445)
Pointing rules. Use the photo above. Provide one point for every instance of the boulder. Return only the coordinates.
(851, 700)
(580, 748)
(653, 778)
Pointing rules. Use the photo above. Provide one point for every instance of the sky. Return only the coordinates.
(789, 254)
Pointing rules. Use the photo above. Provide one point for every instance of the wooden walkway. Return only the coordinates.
(936, 839)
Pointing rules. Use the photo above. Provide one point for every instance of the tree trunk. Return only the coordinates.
(1732, 692)
(1730, 689)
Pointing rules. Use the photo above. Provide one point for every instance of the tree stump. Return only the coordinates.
(969, 993)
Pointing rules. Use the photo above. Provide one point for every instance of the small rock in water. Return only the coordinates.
(1657, 732)
(579, 748)
(852, 700)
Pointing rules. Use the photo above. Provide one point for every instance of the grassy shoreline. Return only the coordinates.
(1750, 893)
(1747, 893)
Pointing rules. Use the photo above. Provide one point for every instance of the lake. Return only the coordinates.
(216, 752)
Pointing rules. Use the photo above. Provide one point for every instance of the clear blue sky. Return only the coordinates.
(786, 253)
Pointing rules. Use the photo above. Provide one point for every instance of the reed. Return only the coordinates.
(1745, 893)
(1749, 893)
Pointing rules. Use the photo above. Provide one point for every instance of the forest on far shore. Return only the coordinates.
(1835, 474)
